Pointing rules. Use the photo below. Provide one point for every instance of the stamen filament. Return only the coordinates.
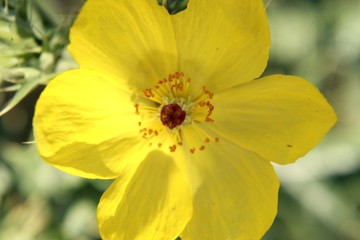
(164, 122)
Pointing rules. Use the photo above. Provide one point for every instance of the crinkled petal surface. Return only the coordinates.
(221, 44)
(147, 44)
(279, 117)
(152, 203)
(85, 125)
(237, 198)
(132, 39)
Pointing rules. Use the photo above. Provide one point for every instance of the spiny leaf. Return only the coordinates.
(31, 78)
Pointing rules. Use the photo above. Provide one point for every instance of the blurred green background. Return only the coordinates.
(320, 194)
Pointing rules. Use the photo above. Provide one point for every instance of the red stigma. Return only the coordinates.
(172, 115)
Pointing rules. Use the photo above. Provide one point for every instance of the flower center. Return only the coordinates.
(168, 112)
(172, 115)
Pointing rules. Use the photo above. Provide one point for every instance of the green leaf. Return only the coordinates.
(174, 6)
(35, 20)
(26, 79)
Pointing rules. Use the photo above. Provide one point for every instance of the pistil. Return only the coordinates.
(174, 110)
(172, 115)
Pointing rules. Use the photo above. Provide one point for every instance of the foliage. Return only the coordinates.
(32, 44)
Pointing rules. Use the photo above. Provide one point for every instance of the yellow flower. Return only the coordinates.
(168, 106)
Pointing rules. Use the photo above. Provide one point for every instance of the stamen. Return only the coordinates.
(172, 148)
(137, 109)
(172, 109)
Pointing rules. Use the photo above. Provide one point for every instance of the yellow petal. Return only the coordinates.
(279, 117)
(238, 195)
(85, 124)
(152, 203)
(221, 44)
(132, 39)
